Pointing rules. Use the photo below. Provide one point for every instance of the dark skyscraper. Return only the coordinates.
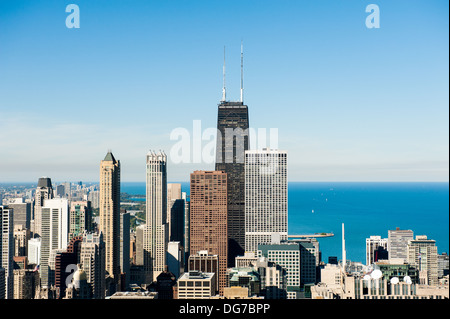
(232, 142)
(232, 124)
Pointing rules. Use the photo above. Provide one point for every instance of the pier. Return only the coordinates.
(316, 235)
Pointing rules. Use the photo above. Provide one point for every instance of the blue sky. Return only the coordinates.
(350, 103)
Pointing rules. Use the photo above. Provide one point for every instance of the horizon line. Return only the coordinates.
(296, 181)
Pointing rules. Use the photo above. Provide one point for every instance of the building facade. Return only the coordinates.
(208, 218)
(422, 253)
(110, 214)
(44, 191)
(232, 142)
(7, 250)
(22, 212)
(156, 233)
(80, 218)
(196, 285)
(375, 245)
(266, 206)
(54, 235)
(287, 255)
(92, 260)
(398, 242)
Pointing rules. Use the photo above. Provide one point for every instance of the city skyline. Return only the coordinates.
(218, 96)
(363, 104)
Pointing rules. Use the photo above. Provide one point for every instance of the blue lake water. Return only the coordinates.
(366, 209)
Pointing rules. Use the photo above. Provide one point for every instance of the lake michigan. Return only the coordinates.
(366, 209)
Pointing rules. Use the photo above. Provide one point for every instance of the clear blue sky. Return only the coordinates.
(350, 103)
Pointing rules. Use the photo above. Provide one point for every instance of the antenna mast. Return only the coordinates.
(242, 72)
(223, 89)
(344, 252)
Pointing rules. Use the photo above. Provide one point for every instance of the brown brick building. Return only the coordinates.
(208, 218)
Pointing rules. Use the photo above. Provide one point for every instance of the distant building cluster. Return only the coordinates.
(402, 266)
(227, 239)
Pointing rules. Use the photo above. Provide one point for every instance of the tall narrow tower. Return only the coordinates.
(344, 252)
(44, 191)
(110, 214)
(7, 251)
(208, 218)
(156, 231)
(232, 142)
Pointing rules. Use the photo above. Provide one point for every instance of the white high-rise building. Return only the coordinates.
(7, 250)
(287, 255)
(422, 254)
(266, 209)
(34, 251)
(156, 233)
(175, 258)
(397, 243)
(373, 244)
(54, 232)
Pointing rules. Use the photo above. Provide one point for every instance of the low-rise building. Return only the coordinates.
(196, 285)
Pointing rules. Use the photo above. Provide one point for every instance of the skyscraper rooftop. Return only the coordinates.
(109, 157)
(45, 182)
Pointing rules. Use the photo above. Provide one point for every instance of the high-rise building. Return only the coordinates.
(273, 279)
(25, 283)
(7, 251)
(65, 262)
(92, 260)
(22, 212)
(232, 142)
(175, 258)
(44, 191)
(175, 212)
(125, 247)
(94, 197)
(422, 253)
(139, 260)
(266, 207)
(2, 283)
(287, 255)
(443, 265)
(21, 237)
(80, 218)
(54, 234)
(186, 240)
(397, 243)
(156, 234)
(110, 214)
(208, 218)
(34, 250)
(309, 261)
(375, 246)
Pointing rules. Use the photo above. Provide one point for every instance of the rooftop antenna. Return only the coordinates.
(242, 72)
(224, 94)
(344, 254)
